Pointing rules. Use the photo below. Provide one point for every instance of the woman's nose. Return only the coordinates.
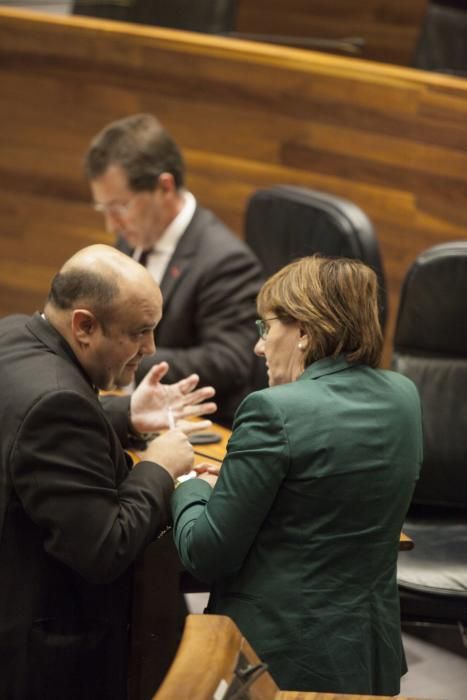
(259, 348)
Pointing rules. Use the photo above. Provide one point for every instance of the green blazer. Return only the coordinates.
(300, 535)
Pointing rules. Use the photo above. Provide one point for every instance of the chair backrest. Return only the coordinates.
(283, 223)
(430, 347)
(209, 16)
(442, 45)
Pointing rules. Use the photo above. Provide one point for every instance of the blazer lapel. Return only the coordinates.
(176, 269)
(182, 258)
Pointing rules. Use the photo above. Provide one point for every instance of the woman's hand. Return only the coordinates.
(208, 472)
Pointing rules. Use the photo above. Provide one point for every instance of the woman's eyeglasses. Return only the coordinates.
(262, 327)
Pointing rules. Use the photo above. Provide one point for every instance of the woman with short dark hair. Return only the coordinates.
(300, 534)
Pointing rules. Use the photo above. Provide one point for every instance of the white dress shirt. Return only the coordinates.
(158, 258)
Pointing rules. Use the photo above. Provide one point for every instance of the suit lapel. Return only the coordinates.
(181, 260)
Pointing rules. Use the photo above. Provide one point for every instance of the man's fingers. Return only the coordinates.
(185, 386)
(157, 372)
(206, 392)
(189, 426)
(201, 409)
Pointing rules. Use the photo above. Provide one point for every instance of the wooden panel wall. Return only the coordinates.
(392, 140)
(390, 28)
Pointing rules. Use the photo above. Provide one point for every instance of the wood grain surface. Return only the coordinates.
(246, 115)
(389, 29)
(208, 655)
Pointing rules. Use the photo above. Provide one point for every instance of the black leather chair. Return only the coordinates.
(442, 44)
(283, 223)
(430, 347)
(208, 16)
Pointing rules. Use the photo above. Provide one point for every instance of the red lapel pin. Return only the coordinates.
(175, 272)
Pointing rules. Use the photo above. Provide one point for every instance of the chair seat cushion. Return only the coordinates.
(438, 562)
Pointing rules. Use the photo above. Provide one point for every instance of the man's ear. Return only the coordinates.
(166, 183)
(83, 325)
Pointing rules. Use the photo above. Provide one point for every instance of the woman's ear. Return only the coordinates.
(303, 338)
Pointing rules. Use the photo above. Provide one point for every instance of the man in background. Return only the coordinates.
(208, 277)
(74, 515)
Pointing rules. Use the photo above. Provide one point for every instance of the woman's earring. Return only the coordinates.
(300, 346)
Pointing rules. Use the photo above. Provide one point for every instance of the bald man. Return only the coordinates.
(73, 514)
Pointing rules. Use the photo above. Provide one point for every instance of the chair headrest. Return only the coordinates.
(432, 317)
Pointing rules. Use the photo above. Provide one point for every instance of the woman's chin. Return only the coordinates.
(272, 381)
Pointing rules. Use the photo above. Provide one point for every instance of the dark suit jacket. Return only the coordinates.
(72, 520)
(301, 533)
(207, 327)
